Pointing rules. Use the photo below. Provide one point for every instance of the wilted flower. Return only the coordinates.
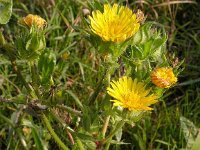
(131, 94)
(163, 77)
(31, 20)
(115, 24)
(140, 15)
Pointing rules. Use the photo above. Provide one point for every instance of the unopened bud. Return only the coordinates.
(31, 20)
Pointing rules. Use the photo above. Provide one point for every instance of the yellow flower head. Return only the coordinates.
(163, 77)
(115, 24)
(31, 20)
(131, 94)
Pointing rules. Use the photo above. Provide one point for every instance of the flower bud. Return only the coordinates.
(33, 20)
(163, 77)
(31, 45)
(139, 16)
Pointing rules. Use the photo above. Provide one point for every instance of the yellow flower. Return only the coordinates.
(131, 94)
(26, 130)
(163, 77)
(115, 24)
(31, 20)
(65, 56)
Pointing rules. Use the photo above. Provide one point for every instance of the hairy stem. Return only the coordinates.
(35, 79)
(53, 134)
(70, 110)
(27, 86)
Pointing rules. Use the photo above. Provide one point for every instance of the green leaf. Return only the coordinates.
(2, 39)
(159, 42)
(189, 130)
(46, 65)
(84, 136)
(96, 5)
(90, 145)
(143, 34)
(196, 144)
(76, 99)
(5, 10)
(37, 139)
(134, 116)
(140, 141)
(118, 135)
(149, 43)
(119, 143)
(147, 49)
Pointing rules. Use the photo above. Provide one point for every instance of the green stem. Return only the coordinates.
(68, 129)
(80, 144)
(9, 51)
(108, 77)
(70, 110)
(58, 119)
(53, 134)
(139, 69)
(106, 123)
(27, 86)
(2, 39)
(35, 79)
(7, 120)
(107, 146)
(97, 90)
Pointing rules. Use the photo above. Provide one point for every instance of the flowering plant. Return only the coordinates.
(134, 71)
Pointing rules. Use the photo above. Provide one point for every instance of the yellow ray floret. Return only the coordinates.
(115, 24)
(163, 77)
(131, 94)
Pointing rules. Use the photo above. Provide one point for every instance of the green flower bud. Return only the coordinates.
(149, 43)
(31, 45)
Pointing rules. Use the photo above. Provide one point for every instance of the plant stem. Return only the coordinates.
(108, 77)
(107, 146)
(105, 126)
(27, 86)
(97, 90)
(68, 129)
(35, 79)
(53, 134)
(11, 54)
(80, 144)
(106, 123)
(7, 120)
(70, 110)
(118, 126)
